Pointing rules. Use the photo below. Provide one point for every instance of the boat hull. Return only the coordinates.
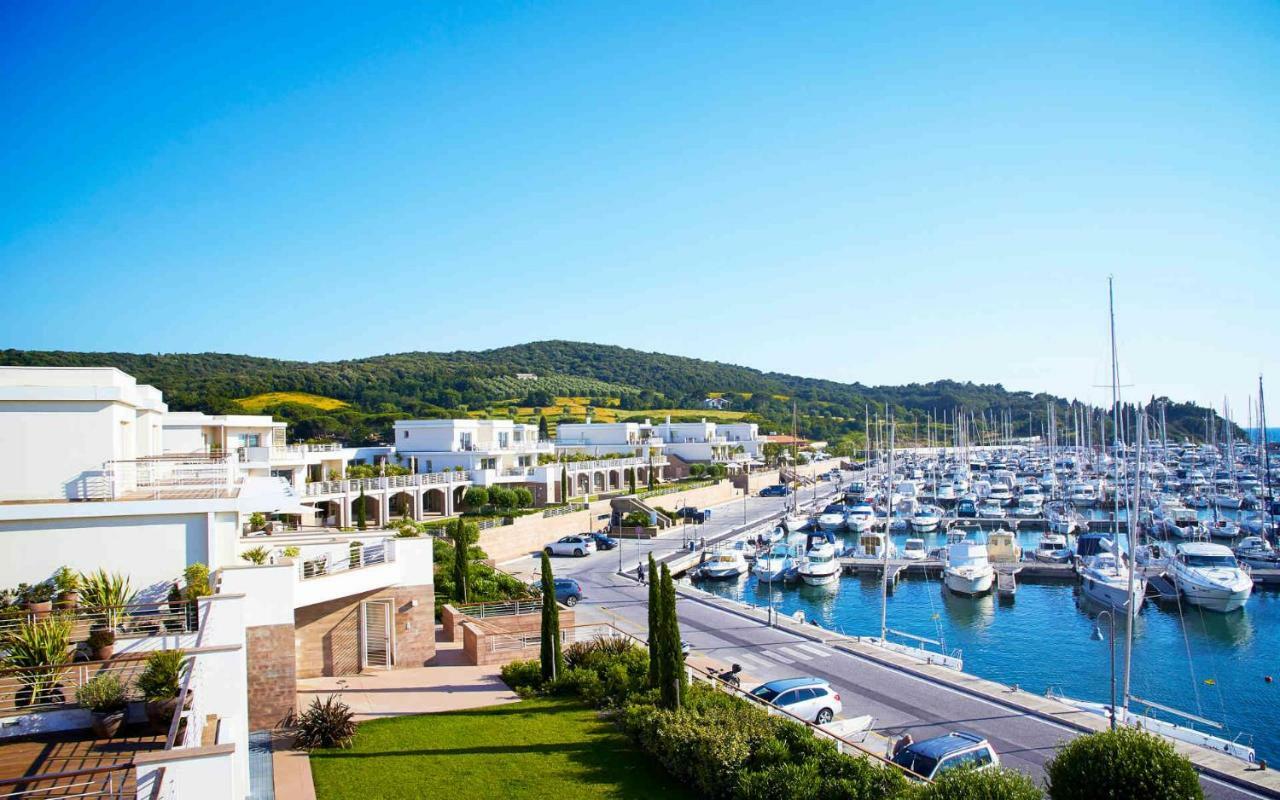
(970, 585)
(819, 578)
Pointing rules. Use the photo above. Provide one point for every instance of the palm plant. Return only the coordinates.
(256, 555)
(38, 651)
(107, 594)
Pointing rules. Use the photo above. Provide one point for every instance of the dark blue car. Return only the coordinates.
(568, 591)
(604, 541)
(776, 490)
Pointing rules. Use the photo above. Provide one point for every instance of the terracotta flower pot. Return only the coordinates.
(106, 724)
(40, 610)
(104, 653)
(68, 600)
(160, 713)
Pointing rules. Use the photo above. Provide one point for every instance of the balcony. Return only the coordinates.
(170, 477)
(356, 485)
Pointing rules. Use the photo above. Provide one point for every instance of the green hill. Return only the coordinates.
(381, 389)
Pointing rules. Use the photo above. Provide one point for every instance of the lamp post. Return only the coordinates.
(1097, 636)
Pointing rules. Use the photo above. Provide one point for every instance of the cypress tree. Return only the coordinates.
(671, 671)
(655, 625)
(631, 479)
(650, 474)
(460, 535)
(550, 656)
(360, 512)
(543, 432)
(564, 484)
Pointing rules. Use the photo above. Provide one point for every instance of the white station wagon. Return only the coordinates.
(571, 546)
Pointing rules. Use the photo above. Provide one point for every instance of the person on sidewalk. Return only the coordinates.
(640, 572)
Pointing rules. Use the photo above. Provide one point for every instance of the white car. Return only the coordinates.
(571, 546)
(807, 698)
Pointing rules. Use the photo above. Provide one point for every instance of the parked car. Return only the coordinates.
(776, 490)
(932, 757)
(807, 698)
(568, 591)
(604, 541)
(694, 515)
(576, 545)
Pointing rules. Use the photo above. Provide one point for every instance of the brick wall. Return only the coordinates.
(477, 642)
(328, 634)
(273, 684)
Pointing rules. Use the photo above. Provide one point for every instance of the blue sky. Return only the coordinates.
(881, 192)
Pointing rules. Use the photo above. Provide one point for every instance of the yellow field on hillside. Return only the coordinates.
(657, 415)
(257, 402)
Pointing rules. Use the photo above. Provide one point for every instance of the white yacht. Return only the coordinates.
(1003, 547)
(820, 565)
(1082, 495)
(914, 550)
(946, 491)
(1053, 549)
(926, 518)
(1257, 552)
(1064, 519)
(1209, 576)
(1000, 493)
(968, 571)
(781, 561)
(872, 545)
(991, 509)
(831, 518)
(723, 564)
(861, 518)
(1222, 528)
(1105, 578)
(1029, 505)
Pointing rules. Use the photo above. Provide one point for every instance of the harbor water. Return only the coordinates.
(1208, 664)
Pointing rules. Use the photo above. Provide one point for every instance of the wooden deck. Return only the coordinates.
(70, 751)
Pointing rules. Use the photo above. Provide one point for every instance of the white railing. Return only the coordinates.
(157, 476)
(516, 472)
(609, 463)
(343, 560)
(355, 485)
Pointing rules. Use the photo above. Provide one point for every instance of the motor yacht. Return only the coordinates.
(968, 570)
(820, 566)
(914, 550)
(831, 518)
(723, 564)
(926, 518)
(1257, 553)
(1003, 547)
(991, 509)
(1053, 548)
(1082, 495)
(872, 545)
(1029, 505)
(1209, 576)
(861, 517)
(781, 561)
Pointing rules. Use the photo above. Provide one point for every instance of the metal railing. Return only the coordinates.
(355, 485)
(157, 475)
(338, 561)
(135, 619)
(507, 609)
(566, 509)
(101, 783)
(27, 689)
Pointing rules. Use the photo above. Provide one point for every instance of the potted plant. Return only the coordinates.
(108, 594)
(102, 643)
(38, 651)
(67, 581)
(159, 684)
(38, 599)
(104, 697)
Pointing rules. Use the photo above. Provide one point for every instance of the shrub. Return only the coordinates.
(196, 576)
(524, 497)
(37, 592)
(501, 498)
(257, 521)
(257, 555)
(162, 677)
(66, 580)
(1122, 764)
(106, 594)
(103, 694)
(523, 676)
(636, 519)
(291, 552)
(327, 723)
(697, 470)
(476, 497)
(991, 784)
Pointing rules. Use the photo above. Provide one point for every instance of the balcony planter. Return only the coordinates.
(106, 724)
(102, 642)
(68, 601)
(40, 610)
(160, 713)
(160, 684)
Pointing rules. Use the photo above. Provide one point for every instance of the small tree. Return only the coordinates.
(564, 484)
(544, 432)
(462, 534)
(631, 480)
(970, 784)
(361, 522)
(524, 497)
(551, 658)
(476, 497)
(502, 499)
(671, 659)
(697, 470)
(655, 625)
(1125, 764)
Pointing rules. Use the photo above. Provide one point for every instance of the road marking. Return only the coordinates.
(754, 663)
(796, 654)
(777, 657)
(814, 650)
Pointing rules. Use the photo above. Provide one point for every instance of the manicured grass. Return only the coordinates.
(532, 749)
(257, 402)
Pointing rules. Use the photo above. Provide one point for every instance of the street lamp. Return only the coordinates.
(1097, 637)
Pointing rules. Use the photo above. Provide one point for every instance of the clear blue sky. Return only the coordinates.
(880, 192)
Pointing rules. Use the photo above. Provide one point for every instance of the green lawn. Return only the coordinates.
(531, 749)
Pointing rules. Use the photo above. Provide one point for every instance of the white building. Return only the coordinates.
(95, 474)
(710, 442)
(489, 451)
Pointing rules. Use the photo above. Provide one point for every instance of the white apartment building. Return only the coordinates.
(489, 451)
(95, 474)
(710, 442)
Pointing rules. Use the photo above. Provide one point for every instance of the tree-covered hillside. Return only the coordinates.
(380, 389)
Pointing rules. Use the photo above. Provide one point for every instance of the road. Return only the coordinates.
(899, 702)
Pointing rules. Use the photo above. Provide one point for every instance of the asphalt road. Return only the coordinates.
(899, 702)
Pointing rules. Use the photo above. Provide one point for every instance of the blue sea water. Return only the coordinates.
(1211, 665)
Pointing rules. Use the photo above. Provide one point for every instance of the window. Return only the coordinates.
(982, 757)
(503, 440)
(406, 435)
(252, 440)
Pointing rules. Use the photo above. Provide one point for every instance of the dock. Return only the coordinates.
(932, 567)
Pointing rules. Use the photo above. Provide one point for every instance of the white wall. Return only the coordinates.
(52, 450)
(152, 550)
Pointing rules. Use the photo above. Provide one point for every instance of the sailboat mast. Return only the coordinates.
(1115, 406)
(1133, 563)
(884, 573)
